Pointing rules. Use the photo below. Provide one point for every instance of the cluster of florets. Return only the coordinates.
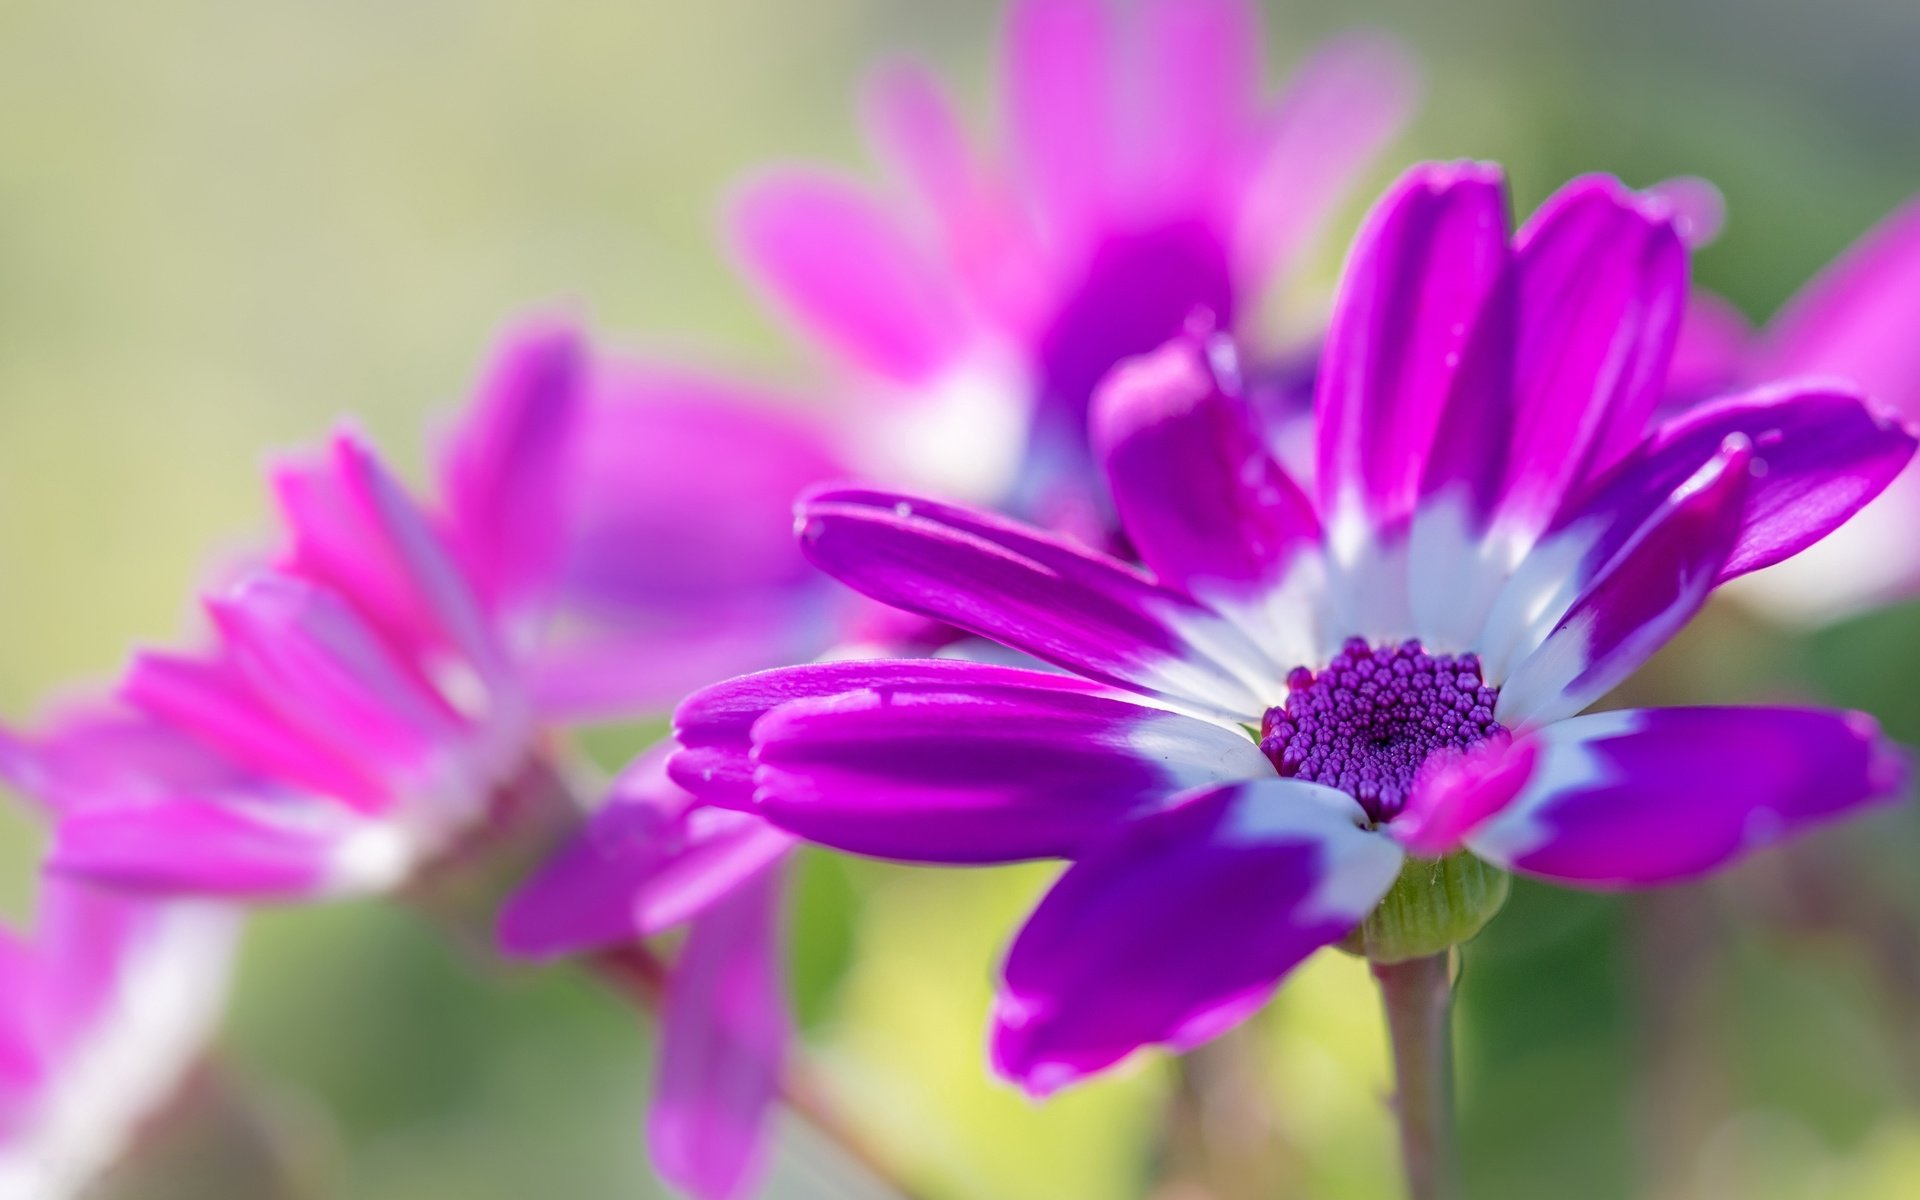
(1370, 719)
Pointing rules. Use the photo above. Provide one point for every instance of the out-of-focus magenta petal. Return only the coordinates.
(219, 848)
(1350, 98)
(1710, 358)
(311, 660)
(209, 700)
(503, 469)
(1181, 925)
(842, 267)
(723, 1048)
(1855, 322)
(1650, 796)
(1060, 121)
(681, 498)
(1197, 89)
(648, 860)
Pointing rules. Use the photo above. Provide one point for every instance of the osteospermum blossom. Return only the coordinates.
(382, 696)
(1139, 175)
(1250, 736)
(106, 1000)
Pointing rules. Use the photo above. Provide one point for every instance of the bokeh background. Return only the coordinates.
(226, 224)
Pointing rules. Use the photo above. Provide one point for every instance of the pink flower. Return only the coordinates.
(1140, 176)
(381, 693)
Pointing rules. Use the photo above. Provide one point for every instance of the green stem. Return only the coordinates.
(1418, 997)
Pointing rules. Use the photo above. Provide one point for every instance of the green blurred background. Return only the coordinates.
(224, 224)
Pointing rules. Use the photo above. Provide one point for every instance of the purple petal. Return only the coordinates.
(1412, 293)
(1200, 79)
(1456, 792)
(1653, 587)
(1205, 506)
(843, 268)
(1059, 83)
(723, 1047)
(210, 701)
(648, 860)
(209, 848)
(1856, 320)
(1350, 98)
(714, 725)
(1650, 796)
(311, 660)
(980, 772)
(1602, 288)
(1180, 926)
(1712, 352)
(502, 472)
(1037, 593)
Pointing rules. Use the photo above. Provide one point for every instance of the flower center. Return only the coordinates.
(1368, 720)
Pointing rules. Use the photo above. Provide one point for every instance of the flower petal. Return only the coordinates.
(1652, 588)
(1204, 504)
(1200, 77)
(839, 264)
(218, 849)
(1650, 796)
(1411, 297)
(1342, 106)
(1036, 593)
(649, 859)
(982, 773)
(1182, 924)
(714, 725)
(1058, 57)
(1855, 322)
(1602, 289)
(503, 470)
(723, 1047)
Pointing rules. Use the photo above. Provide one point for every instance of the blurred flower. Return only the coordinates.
(377, 709)
(1854, 323)
(1143, 177)
(108, 1000)
(1251, 735)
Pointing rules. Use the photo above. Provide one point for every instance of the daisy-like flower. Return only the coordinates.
(107, 1000)
(1852, 323)
(1308, 695)
(1139, 175)
(380, 705)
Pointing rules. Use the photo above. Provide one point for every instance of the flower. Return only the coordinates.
(1143, 177)
(1852, 323)
(1246, 740)
(378, 707)
(106, 1002)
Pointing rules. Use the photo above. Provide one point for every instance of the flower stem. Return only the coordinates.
(1418, 997)
(639, 974)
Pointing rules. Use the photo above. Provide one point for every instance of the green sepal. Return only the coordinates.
(1434, 904)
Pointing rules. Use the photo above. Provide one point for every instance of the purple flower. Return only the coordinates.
(106, 1001)
(1246, 738)
(382, 690)
(1143, 177)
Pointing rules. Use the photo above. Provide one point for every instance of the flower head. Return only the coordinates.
(1140, 177)
(1249, 735)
